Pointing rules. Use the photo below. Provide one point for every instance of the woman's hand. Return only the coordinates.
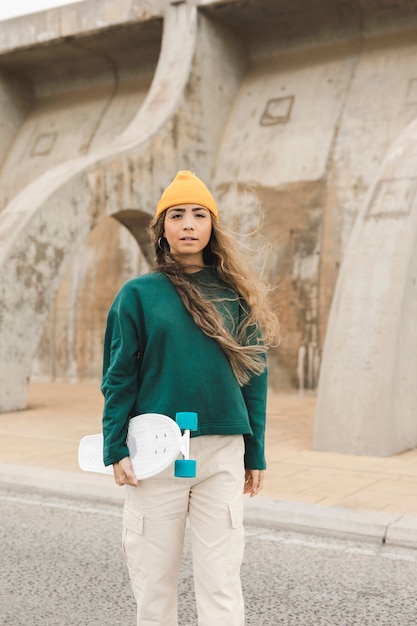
(254, 481)
(123, 473)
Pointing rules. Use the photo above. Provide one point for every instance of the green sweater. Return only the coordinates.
(156, 360)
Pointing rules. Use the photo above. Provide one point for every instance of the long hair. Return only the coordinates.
(259, 328)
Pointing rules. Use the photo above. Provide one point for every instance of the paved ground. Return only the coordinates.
(62, 565)
(329, 491)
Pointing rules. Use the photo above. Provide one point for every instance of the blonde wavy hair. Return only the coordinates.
(259, 328)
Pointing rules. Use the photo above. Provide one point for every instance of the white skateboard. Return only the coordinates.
(154, 442)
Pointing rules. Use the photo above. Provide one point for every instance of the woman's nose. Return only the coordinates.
(188, 222)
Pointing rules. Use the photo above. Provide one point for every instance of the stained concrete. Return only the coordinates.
(376, 298)
(286, 110)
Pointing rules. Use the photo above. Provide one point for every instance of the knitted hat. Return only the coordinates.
(186, 188)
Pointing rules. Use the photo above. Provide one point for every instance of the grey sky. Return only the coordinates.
(24, 7)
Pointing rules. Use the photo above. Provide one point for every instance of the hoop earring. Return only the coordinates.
(159, 243)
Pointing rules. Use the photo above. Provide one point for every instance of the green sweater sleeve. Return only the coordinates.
(255, 395)
(120, 378)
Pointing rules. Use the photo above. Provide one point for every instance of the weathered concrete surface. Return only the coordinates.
(174, 120)
(367, 398)
(286, 106)
(71, 344)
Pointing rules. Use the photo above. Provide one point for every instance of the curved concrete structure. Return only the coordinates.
(46, 222)
(367, 399)
(287, 109)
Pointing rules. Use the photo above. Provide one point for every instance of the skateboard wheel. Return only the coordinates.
(185, 468)
(187, 420)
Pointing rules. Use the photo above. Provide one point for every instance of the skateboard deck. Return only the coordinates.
(154, 442)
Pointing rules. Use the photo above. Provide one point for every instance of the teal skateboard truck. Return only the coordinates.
(186, 467)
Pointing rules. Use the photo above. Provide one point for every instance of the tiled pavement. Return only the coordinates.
(39, 445)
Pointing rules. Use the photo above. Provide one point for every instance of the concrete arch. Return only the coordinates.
(70, 346)
(367, 400)
(137, 223)
(41, 229)
(43, 226)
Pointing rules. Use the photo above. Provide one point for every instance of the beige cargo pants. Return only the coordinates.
(154, 522)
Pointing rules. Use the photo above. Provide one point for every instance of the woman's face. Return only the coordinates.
(187, 228)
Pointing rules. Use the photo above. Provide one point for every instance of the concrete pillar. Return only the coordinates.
(41, 229)
(178, 125)
(367, 400)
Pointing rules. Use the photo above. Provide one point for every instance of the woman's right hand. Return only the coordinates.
(123, 473)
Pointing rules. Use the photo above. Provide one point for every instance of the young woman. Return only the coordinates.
(189, 336)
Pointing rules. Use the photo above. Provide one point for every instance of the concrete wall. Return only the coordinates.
(70, 348)
(64, 100)
(52, 214)
(286, 109)
(367, 401)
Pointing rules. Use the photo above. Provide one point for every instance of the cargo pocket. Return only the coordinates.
(236, 540)
(134, 544)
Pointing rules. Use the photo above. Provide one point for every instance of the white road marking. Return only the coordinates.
(278, 538)
(61, 505)
(330, 546)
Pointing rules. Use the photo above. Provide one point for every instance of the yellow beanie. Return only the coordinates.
(186, 188)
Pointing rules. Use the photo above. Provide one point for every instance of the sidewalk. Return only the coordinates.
(327, 492)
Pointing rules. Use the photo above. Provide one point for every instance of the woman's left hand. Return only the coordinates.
(254, 481)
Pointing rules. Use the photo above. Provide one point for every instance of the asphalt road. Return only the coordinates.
(61, 564)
